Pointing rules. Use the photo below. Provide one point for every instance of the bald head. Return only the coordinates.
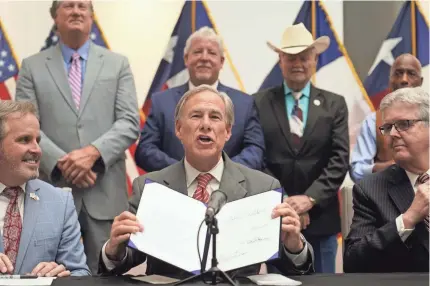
(405, 72)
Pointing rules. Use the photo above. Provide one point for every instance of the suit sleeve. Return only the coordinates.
(133, 257)
(70, 250)
(125, 129)
(26, 91)
(368, 246)
(332, 176)
(253, 141)
(149, 155)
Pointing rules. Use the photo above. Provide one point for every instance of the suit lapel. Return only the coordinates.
(401, 191)
(31, 212)
(277, 101)
(55, 65)
(180, 91)
(232, 181)
(313, 112)
(92, 70)
(176, 179)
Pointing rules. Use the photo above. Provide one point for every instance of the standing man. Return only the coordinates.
(371, 153)
(204, 57)
(39, 228)
(306, 135)
(390, 227)
(86, 102)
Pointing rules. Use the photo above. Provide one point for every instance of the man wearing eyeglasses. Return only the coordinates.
(390, 231)
(371, 152)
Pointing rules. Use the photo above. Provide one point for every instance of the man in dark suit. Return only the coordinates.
(389, 231)
(204, 58)
(306, 135)
(203, 122)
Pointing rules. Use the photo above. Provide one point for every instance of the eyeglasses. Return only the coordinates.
(400, 125)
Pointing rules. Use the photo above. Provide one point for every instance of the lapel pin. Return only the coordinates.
(34, 196)
(317, 102)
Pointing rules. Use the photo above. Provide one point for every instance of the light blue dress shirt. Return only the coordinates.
(303, 101)
(362, 159)
(67, 57)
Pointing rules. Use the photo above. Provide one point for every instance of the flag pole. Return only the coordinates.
(193, 16)
(413, 28)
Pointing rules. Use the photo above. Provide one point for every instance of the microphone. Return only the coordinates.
(216, 202)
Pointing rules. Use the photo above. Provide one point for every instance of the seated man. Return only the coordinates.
(38, 222)
(203, 121)
(389, 231)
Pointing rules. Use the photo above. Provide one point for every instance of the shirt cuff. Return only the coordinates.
(404, 233)
(298, 259)
(111, 264)
(368, 169)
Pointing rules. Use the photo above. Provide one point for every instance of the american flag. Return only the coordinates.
(8, 67)
(97, 37)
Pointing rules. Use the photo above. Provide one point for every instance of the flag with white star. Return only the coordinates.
(335, 71)
(8, 67)
(409, 34)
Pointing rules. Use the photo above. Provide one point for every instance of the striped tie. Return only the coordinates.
(201, 193)
(423, 178)
(296, 124)
(75, 79)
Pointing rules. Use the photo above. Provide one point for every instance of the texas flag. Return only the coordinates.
(8, 67)
(172, 71)
(410, 34)
(98, 38)
(335, 71)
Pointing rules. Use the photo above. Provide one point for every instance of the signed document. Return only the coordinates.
(247, 233)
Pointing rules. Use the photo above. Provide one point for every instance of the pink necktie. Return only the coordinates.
(423, 178)
(12, 224)
(201, 193)
(75, 75)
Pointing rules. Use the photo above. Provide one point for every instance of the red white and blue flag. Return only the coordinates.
(8, 67)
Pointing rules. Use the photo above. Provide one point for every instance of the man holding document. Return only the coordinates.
(203, 121)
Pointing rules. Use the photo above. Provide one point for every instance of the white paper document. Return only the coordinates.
(273, 279)
(247, 232)
(40, 281)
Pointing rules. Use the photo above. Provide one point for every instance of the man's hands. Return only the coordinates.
(305, 220)
(419, 208)
(76, 166)
(5, 264)
(300, 203)
(290, 234)
(50, 269)
(123, 226)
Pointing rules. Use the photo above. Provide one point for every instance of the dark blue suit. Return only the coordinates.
(159, 147)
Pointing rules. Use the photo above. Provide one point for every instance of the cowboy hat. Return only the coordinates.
(297, 38)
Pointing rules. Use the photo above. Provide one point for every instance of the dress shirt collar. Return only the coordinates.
(68, 52)
(191, 86)
(306, 91)
(413, 177)
(192, 173)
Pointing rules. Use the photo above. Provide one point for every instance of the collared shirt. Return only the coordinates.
(364, 152)
(405, 232)
(67, 57)
(4, 202)
(303, 101)
(191, 86)
(192, 173)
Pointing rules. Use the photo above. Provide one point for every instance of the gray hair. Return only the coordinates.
(205, 33)
(56, 4)
(229, 107)
(7, 107)
(409, 95)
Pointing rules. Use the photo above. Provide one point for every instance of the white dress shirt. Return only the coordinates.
(191, 174)
(191, 86)
(405, 232)
(4, 202)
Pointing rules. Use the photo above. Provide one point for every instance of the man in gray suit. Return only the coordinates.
(203, 123)
(86, 102)
(31, 240)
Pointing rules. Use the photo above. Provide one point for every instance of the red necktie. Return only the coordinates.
(423, 178)
(12, 224)
(201, 193)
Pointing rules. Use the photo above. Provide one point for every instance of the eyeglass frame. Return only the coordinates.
(410, 123)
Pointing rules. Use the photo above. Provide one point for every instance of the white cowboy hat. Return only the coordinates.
(297, 38)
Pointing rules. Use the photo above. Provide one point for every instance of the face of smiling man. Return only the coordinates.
(203, 129)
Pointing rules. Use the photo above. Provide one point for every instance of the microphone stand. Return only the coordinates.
(214, 270)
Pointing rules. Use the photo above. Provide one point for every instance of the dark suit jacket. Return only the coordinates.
(373, 243)
(159, 147)
(238, 181)
(318, 166)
